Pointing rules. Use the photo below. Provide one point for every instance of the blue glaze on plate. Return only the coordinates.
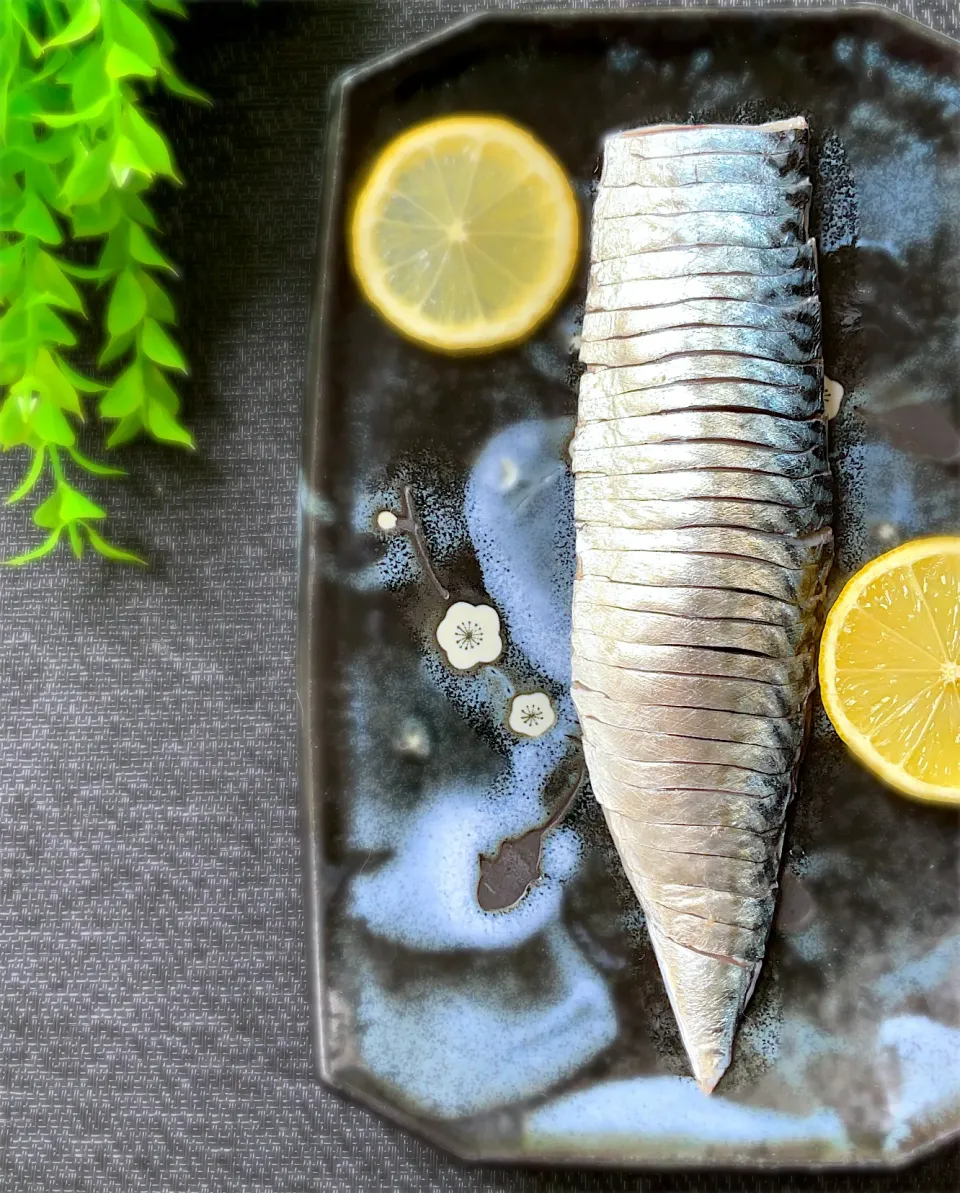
(541, 1031)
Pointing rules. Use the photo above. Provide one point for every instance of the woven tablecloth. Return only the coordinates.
(153, 1003)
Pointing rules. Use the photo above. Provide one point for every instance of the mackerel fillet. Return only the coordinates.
(703, 508)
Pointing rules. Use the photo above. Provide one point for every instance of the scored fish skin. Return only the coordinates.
(784, 169)
(799, 347)
(782, 549)
(648, 233)
(706, 368)
(705, 511)
(637, 459)
(733, 483)
(712, 312)
(692, 600)
(782, 288)
(692, 260)
(703, 508)
(742, 198)
(671, 629)
(760, 428)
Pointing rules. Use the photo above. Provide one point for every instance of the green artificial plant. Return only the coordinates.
(79, 154)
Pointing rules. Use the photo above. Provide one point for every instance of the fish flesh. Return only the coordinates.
(703, 509)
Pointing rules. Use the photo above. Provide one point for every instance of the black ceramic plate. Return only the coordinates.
(531, 1024)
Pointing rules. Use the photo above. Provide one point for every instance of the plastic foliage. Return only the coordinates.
(79, 154)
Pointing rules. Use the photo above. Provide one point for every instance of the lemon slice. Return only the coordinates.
(465, 233)
(890, 668)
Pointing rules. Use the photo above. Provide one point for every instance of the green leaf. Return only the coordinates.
(69, 119)
(54, 385)
(76, 542)
(159, 304)
(137, 210)
(153, 147)
(29, 481)
(127, 157)
(48, 545)
(49, 326)
(123, 64)
(86, 273)
(96, 219)
(173, 7)
(126, 394)
(178, 86)
(160, 347)
(49, 423)
(116, 252)
(47, 515)
(13, 429)
(34, 219)
(88, 465)
(74, 506)
(81, 25)
(143, 249)
(126, 429)
(109, 551)
(54, 148)
(90, 176)
(133, 32)
(159, 389)
(49, 279)
(84, 384)
(128, 304)
(164, 426)
(115, 347)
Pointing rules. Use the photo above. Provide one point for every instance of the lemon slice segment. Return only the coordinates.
(890, 668)
(465, 233)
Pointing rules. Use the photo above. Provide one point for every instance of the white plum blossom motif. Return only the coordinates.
(532, 714)
(470, 635)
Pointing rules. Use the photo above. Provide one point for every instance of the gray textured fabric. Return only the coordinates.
(153, 1013)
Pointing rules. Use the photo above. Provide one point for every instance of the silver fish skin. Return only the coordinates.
(799, 347)
(784, 550)
(694, 660)
(707, 368)
(782, 289)
(776, 733)
(711, 312)
(703, 503)
(685, 691)
(684, 776)
(764, 430)
(654, 805)
(671, 629)
(732, 483)
(781, 170)
(640, 746)
(678, 140)
(742, 198)
(671, 569)
(695, 260)
(692, 601)
(603, 403)
(637, 459)
(680, 515)
(650, 233)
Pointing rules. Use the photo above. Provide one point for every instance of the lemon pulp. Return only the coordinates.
(890, 668)
(465, 233)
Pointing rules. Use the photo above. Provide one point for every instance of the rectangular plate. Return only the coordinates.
(541, 1032)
